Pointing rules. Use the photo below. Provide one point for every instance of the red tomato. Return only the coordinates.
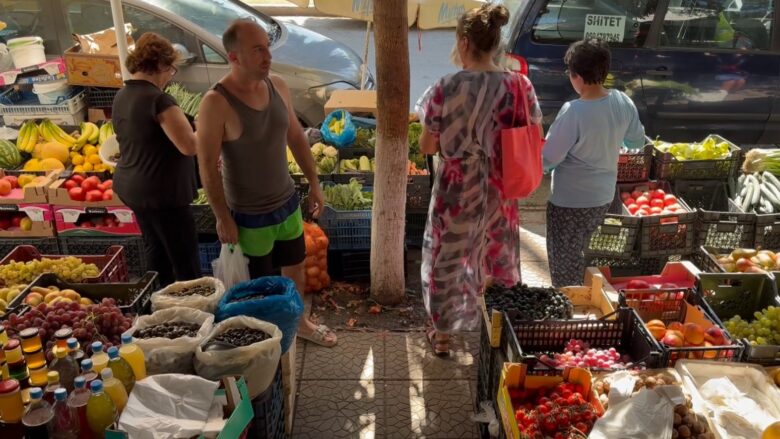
(668, 209)
(659, 193)
(636, 194)
(642, 201)
(656, 210)
(94, 195)
(674, 206)
(16, 221)
(657, 202)
(86, 224)
(78, 178)
(647, 194)
(632, 208)
(108, 195)
(4, 223)
(629, 201)
(76, 194)
(625, 195)
(70, 184)
(669, 199)
(13, 180)
(109, 184)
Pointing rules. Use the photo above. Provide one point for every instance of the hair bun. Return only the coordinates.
(498, 15)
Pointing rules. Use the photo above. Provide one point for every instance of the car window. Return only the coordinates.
(624, 23)
(724, 24)
(211, 55)
(26, 18)
(144, 21)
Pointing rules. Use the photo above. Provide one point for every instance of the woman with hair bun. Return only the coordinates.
(472, 233)
(156, 174)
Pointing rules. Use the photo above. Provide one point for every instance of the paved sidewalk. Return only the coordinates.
(390, 385)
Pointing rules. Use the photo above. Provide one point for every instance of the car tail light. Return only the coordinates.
(516, 63)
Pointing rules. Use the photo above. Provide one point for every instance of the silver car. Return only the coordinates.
(312, 64)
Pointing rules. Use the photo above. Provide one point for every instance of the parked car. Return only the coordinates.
(693, 67)
(312, 64)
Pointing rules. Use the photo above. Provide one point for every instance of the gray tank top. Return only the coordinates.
(254, 166)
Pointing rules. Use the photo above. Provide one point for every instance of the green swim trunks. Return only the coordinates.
(277, 234)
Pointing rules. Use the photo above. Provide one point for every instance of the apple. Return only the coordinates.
(637, 284)
(16, 220)
(714, 336)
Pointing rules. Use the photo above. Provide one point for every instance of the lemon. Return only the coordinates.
(78, 168)
(88, 150)
(25, 179)
(772, 432)
(88, 167)
(94, 159)
(101, 168)
(77, 159)
(26, 224)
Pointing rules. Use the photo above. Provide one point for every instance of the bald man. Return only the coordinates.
(248, 119)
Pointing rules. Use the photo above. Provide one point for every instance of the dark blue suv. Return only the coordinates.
(693, 67)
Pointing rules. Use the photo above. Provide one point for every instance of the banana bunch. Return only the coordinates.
(28, 137)
(52, 133)
(106, 131)
(89, 134)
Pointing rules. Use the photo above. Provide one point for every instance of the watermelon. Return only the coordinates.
(9, 155)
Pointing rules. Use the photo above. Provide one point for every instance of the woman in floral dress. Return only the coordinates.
(472, 233)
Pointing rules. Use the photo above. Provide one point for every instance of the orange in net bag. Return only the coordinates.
(317, 277)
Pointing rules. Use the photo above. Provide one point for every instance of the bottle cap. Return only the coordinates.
(96, 386)
(61, 394)
(60, 352)
(113, 352)
(127, 338)
(86, 365)
(97, 347)
(80, 382)
(73, 344)
(106, 373)
(63, 334)
(9, 386)
(36, 393)
(53, 377)
(29, 333)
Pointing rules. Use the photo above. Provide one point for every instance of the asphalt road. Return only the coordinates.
(429, 51)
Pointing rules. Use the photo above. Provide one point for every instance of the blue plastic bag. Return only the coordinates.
(282, 305)
(346, 137)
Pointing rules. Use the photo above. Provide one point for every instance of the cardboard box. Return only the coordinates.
(36, 192)
(354, 101)
(67, 220)
(58, 196)
(41, 216)
(92, 70)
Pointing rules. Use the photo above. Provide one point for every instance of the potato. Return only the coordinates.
(689, 420)
(677, 419)
(681, 410)
(684, 431)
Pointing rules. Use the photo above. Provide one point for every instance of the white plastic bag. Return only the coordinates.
(231, 267)
(163, 298)
(256, 362)
(646, 415)
(164, 355)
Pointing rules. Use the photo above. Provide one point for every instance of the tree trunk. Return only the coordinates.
(392, 150)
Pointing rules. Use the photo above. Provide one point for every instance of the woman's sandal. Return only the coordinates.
(318, 336)
(440, 347)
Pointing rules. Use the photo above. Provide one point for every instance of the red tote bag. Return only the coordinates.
(521, 149)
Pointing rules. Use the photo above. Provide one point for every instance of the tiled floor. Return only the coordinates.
(380, 384)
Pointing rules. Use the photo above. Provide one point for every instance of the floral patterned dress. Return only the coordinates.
(472, 232)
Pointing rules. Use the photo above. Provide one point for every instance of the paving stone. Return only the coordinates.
(433, 409)
(536, 274)
(409, 356)
(340, 409)
(533, 244)
(356, 356)
(300, 351)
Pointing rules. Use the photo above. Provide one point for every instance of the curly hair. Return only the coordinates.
(482, 26)
(150, 54)
(589, 59)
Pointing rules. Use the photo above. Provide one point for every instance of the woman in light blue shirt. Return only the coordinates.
(583, 146)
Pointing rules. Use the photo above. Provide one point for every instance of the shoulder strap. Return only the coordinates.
(520, 94)
(475, 112)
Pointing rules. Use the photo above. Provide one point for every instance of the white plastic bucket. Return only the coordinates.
(49, 92)
(27, 51)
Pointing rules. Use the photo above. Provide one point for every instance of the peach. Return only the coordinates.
(657, 329)
(33, 299)
(694, 334)
(672, 340)
(710, 355)
(714, 336)
(675, 326)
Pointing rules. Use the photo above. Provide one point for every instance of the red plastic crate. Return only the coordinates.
(67, 218)
(112, 265)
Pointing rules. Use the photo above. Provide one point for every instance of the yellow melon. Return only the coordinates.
(32, 165)
(50, 164)
(54, 150)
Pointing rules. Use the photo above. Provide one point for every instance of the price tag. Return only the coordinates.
(124, 216)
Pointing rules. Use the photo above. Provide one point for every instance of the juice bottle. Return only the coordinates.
(134, 356)
(35, 359)
(11, 405)
(114, 389)
(62, 336)
(99, 358)
(4, 373)
(78, 402)
(13, 351)
(66, 421)
(88, 372)
(31, 340)
(39, 377)
(100, 410)
(121, 369)
(38, 417)
(53, 383)
(74, 350)
(66, 366)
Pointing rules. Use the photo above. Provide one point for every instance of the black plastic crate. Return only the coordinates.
(135, 253)
(268, 421)
(418, 192)
(705, 259)
(767, 231)
(415, 227)
(364, 178)
(491, 361)
(631, 265)
(137, 294)
(703, 194)
(205, 221)
(101, 97)
(622, 330)
(726, 229)
(615, 237)
(635, 166)
(47, 246)
(666, 167)
(671, 234)
(353, 265)
(671, 305)
(208, 252)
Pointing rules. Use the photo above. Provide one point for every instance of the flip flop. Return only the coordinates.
(318, 336)
(436, 345)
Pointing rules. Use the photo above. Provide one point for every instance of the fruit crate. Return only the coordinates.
(135, 252)
(703, 194)
(492, 355)
(353, 265)
(205, 221)
(725, 229)
(418, 192)
(415, 227)
(635, 166)
(615, 237)
(705, 259)
(208, 252)
(623, 330)
(101, 97)
(49, 246)
(132, 297)
(111, 265)
(17, 106)
(767, 231)
(742, 294)
(631, 265)
(347, 229)
(268, 420)
(666, 167)
(684, 306)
